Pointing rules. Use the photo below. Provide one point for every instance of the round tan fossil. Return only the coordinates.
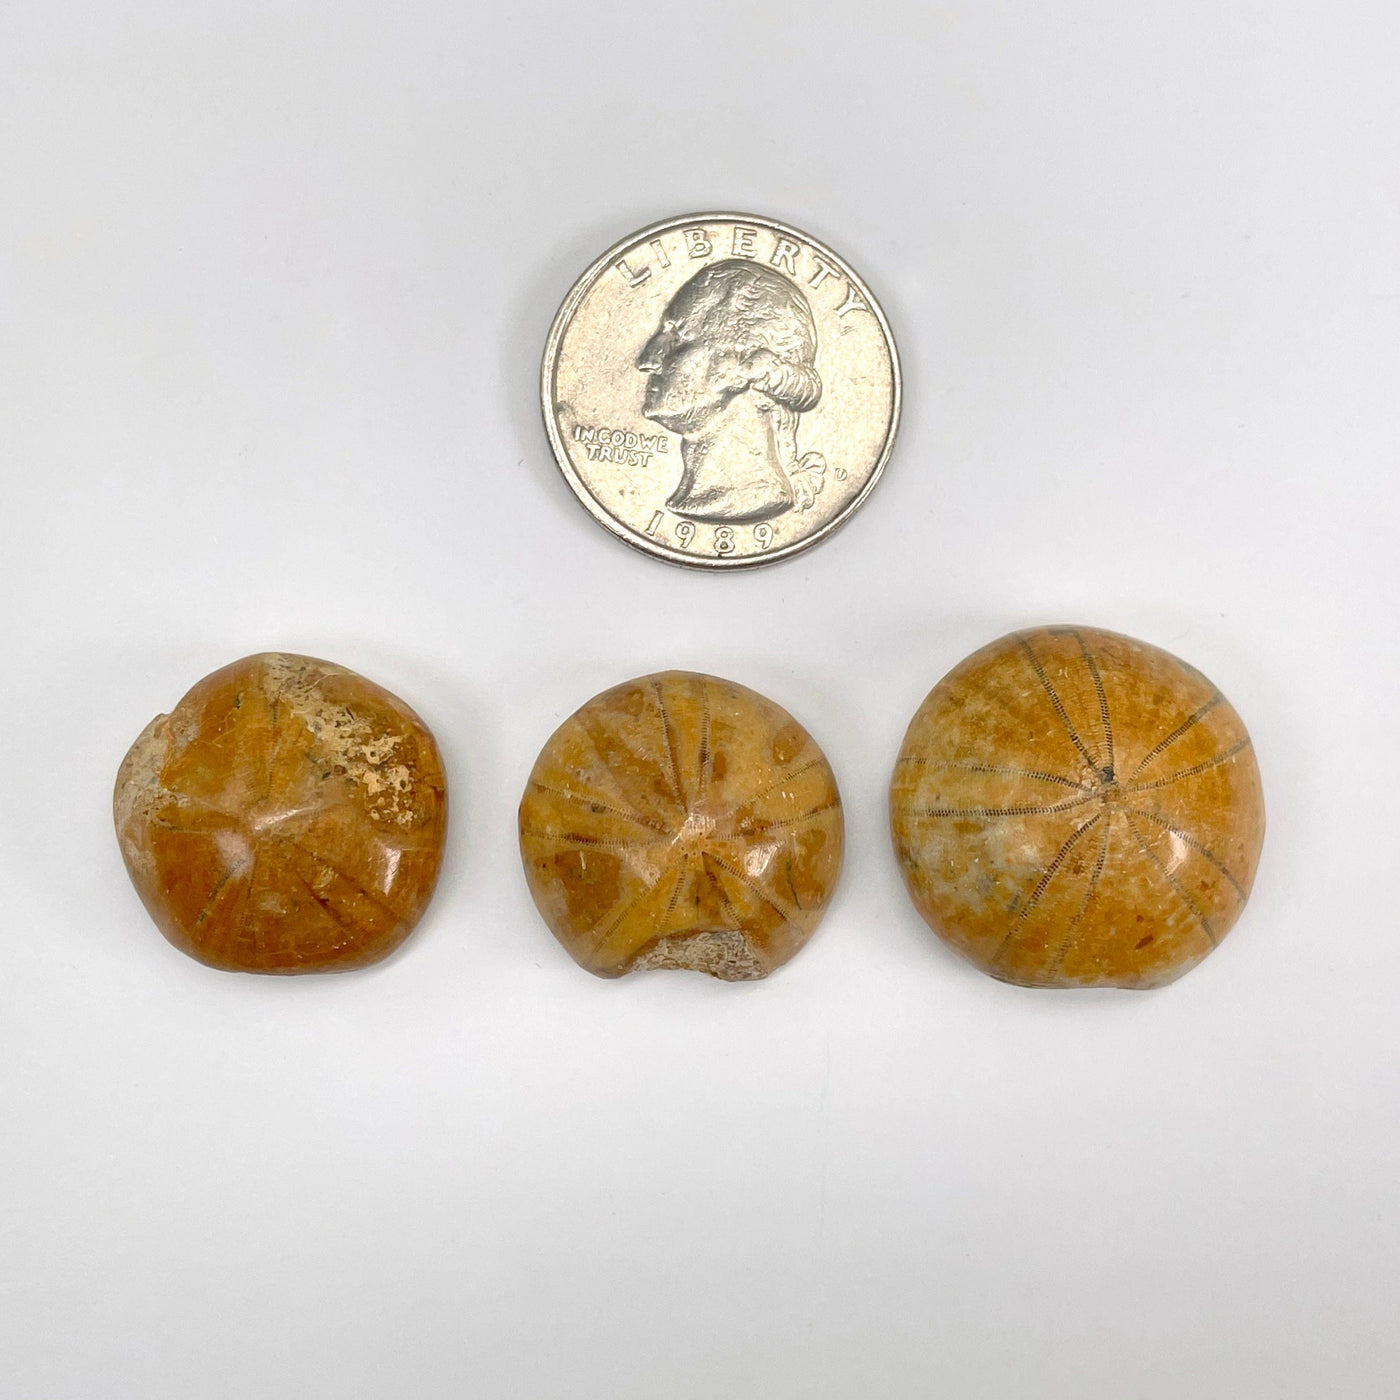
(287, 816)
(1072, 808)
(681, 821)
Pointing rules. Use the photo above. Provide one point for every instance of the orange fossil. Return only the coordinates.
(1075, 808)
(287, 816)
(681, 821)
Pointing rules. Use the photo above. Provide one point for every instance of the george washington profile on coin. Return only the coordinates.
(755, 344)
(731, 368)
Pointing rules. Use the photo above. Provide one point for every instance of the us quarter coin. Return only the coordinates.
(721, 390)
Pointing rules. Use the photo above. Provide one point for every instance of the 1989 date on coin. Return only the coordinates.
(721, 390)
(722, 540)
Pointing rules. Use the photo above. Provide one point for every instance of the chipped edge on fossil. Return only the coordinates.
(367, 760)
(724, 953)
(139, 791)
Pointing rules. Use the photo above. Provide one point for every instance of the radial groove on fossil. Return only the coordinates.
(681, 821)
(287, 816)
(1075, 808)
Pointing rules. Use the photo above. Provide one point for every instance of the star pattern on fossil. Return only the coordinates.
(267, 855)
(1113, 809)
(686, 837)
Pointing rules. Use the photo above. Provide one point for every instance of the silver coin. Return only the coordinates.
(721, 390)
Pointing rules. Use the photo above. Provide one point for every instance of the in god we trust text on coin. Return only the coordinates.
(721, 390)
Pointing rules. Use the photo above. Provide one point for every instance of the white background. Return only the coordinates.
(274, 283)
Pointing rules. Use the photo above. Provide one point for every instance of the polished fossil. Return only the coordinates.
(681, 821)
(1075, 808)
(287, 816)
